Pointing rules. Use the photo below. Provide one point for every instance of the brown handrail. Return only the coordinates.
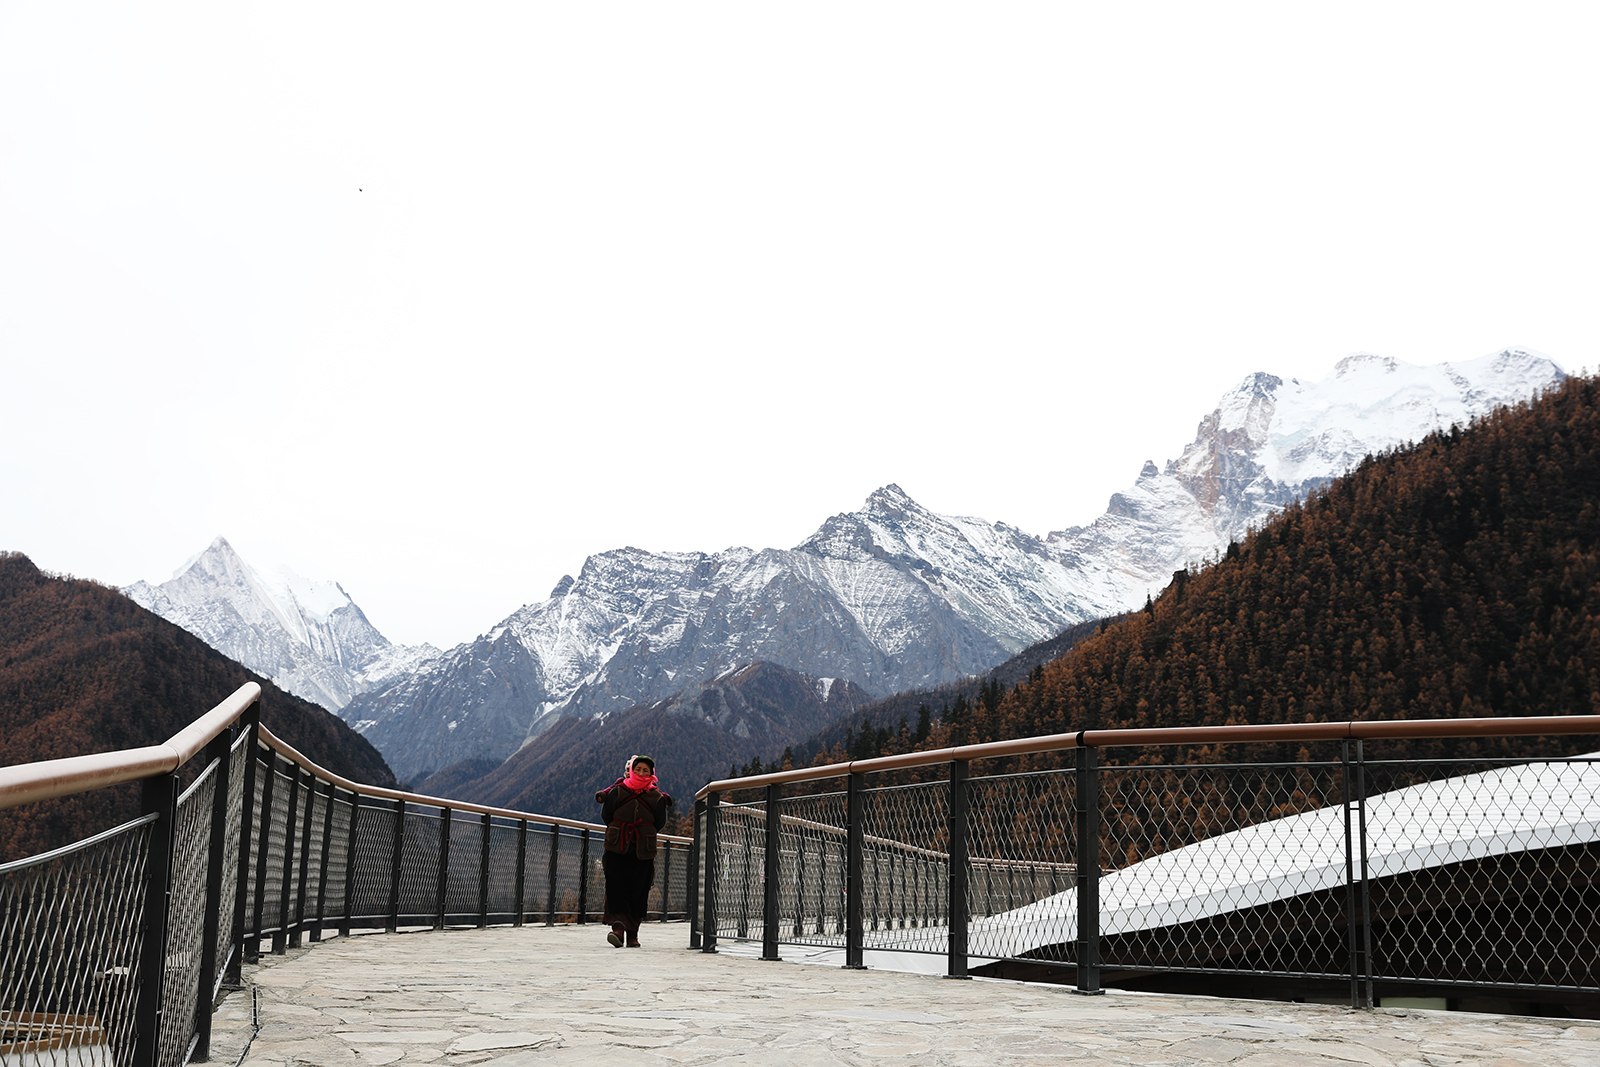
(871, 839)
(44, 780)
(30, 782)
(1504, 726)
(288, 751)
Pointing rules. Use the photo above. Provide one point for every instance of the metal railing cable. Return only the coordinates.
(1458, 878)
(117, 948)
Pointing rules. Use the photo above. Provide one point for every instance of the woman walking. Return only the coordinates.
(634, 810)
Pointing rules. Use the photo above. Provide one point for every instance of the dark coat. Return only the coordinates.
(633, 819)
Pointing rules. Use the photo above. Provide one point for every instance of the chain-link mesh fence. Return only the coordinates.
(905, 866)
(1394, 875)
(1022, 866)
(233, 830)
(1484, 873)
(310, 856)
(1391, 874)
(72, 935)
(186, 915)
(812, 865)
(1224, 869)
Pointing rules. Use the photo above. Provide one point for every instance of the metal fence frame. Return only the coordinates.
(128, 938)
(759, 882)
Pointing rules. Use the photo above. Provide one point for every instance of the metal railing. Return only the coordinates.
(1341, 876)
(115, 949)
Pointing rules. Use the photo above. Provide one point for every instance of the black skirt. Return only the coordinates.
(628, 883)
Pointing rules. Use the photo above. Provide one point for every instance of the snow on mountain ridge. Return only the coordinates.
(895, 596)
(309, 637)
(1270, 442)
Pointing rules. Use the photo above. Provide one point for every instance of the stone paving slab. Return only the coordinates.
(561, 995)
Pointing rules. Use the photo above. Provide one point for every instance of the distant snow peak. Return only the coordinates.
(1270, 442)
(308, 636)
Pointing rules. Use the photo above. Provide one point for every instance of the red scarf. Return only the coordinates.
(637, 782)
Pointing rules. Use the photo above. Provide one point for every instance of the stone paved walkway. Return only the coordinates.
(535, 996)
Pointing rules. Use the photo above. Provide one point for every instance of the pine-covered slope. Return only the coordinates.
(84, 669)
(1457, 577)
(1271, 442)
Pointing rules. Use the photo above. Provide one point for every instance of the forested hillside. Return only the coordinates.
(84, 669)
(1457, 577)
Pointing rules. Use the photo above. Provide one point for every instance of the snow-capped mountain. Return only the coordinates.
(889, 597)
(894, 596)
(1270, 442)
(309, 637)
(637, 627)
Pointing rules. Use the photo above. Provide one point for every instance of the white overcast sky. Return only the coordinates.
(438, 300)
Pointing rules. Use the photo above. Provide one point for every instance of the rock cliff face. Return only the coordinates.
(886, 598)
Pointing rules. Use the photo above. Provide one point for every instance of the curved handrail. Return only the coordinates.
(30, 782)
(288, 751)
(1366, 730)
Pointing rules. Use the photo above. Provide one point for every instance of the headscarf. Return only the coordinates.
(636, 781)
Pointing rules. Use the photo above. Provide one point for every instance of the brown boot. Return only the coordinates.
(615, 936)
(633, 941)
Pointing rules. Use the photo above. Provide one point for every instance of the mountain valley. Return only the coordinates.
(888, 598)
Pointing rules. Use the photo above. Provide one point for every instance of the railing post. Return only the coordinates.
(550, 899)
(280, 938)
(769, 879)
(799, 884)
(854, 896)
(220, 751)
(746, 876)
(160, 797)
(956, 966)
(270, 769)
(691, 881)
(393, 922)
(583, 880)
(305, 860)
(1088, 805)
(522, 870)
(247, 820)
(1358, 896)
(483, 876)
(666, 877)
(441, 888)
(350, 866)
(713, 861)
(322, 862)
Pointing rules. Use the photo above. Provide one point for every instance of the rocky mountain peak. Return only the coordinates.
(308, 636)
(1365, 363)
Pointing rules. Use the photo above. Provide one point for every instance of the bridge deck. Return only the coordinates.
(562, 996)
